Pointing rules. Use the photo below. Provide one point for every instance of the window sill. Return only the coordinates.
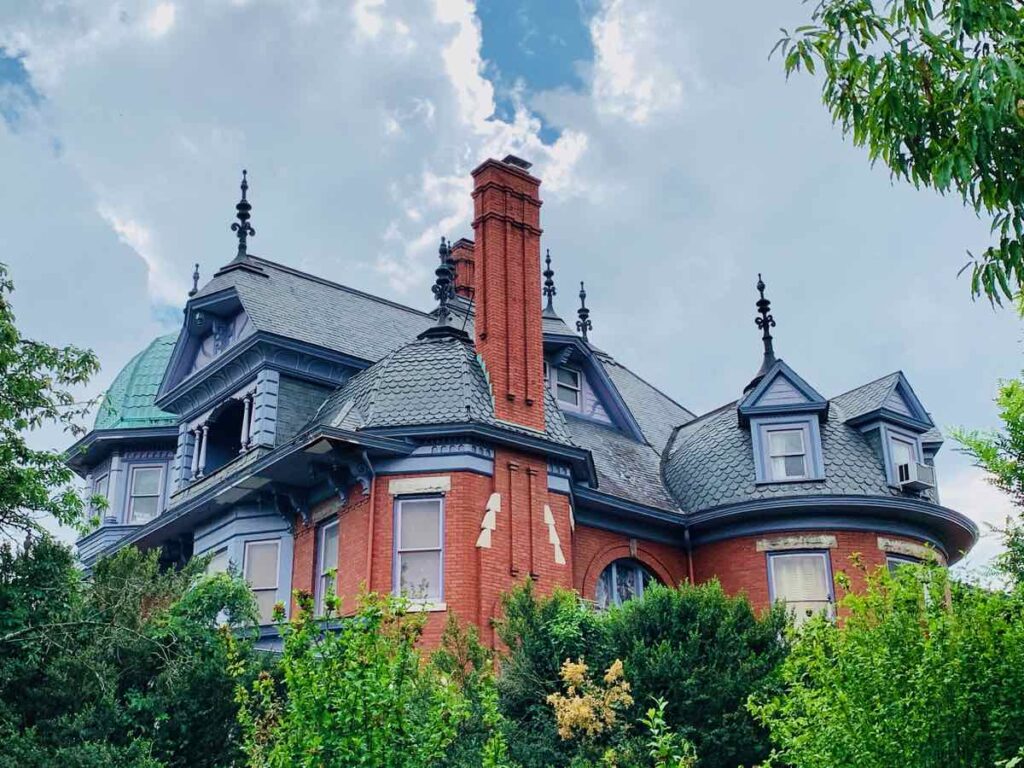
(795, 481)
(424, 607)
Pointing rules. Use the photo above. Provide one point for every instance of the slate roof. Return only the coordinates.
(867, 397)
(128, 403)
(625, 468)
(430, 381)
(297, 305)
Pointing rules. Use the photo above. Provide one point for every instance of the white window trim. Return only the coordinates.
(277, 571)
(398, 551)
(321, 535)
(829, 579)
(130, 496)
(813, 459)
(555, 384)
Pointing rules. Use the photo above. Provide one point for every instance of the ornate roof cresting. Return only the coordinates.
(444, 291)
(765, 322)
(195, 282)
(242, 227)
(549, 285)
(583, 324)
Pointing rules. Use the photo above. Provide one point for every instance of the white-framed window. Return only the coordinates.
(260, 568)
(902, 453)
(803, 581)
(569, 386)
(419, 548)
(102, 486)
(622, 581)
(219, 562)
(145, 489)
(326, 562)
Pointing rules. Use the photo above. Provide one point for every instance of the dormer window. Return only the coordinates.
(905, 469)
(787, 449)
(569, 386)
(787, 453)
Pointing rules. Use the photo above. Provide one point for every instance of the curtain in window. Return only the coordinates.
(801, 581)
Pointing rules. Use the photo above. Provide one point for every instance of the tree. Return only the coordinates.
(36, 383)
(126, 668)
(936, 92)
(1001, 454)
(355, 691)
(908, 678)
(700, 651)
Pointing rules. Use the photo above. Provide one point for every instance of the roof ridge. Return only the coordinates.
(384, 362)
(332, 284)
(897, 372)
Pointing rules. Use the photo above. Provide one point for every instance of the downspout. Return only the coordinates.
(689, 554)
(370, 521)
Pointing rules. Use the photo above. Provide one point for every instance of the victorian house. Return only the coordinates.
(305, 433)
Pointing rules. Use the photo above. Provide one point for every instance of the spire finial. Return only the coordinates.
(444, 291)
(765, 322)
(583, 324)
(242, 226)
(549, 284)
(195, 282)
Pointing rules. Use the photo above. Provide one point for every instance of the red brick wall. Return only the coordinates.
(740, 568)
(595, 549)
(506, 231)
(465, 272)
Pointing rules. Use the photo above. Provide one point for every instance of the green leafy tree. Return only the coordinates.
(355, 692)
(126, 668)
(935, 91)
(36, 388)
(700, 651)
(922, 673)
(1001, 455)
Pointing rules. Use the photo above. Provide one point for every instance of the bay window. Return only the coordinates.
(145, 490)
(326, 563)
(260, 568)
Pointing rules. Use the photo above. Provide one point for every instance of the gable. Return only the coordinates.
(218, 335)
(782, 391)
(896, 402)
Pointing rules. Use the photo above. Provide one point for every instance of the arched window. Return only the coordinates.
(621, 581)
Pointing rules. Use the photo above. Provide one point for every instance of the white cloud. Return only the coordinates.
(160, 20)
(968, 490)
(164, 287)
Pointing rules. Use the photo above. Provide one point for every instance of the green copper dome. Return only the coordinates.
(128, 403)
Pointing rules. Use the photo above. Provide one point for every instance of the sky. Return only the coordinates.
(677, 163)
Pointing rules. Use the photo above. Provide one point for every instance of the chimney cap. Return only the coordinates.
(518, 162)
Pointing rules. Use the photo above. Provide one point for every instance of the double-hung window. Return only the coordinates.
(787, 453)
(326, 563)
(569, 386)
(261, 571)
(144, 493)
(801, 580)
(903, 453)
(419, 549)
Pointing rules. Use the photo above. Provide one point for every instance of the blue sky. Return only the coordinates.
(677, 164)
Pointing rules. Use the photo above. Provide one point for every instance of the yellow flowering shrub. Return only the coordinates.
(588, 708)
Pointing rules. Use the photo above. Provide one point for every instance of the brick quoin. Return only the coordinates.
(741, 569)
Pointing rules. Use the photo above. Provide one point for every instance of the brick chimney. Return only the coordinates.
(506, 266)
(462, 256)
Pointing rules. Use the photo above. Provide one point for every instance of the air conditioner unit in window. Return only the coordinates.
(915, 476)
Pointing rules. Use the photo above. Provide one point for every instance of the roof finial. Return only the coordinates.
(549, 284)
(583, 324)
(444, 291)
(195, 282)
(242, 226)
(765, 322)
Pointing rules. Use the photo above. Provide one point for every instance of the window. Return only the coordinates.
(102, 486)
(894, 562)
(326, 562)
(418, 549)
(261, 559)
(802, 581)
(902, 453)
(144, 494)
(569, 386)
(787, 454)
(787, 450)
(219, 562)
(622, 581)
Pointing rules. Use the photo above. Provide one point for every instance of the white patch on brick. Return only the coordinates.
(431, 484)
(797, 541)
(489, 523)
(553, 540)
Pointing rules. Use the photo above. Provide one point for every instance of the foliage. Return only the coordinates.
(922, 673)
(665, 748)
(1001, 454)
(935, 90)
(124, 669)
(35, 389)
(355, 692)
(702, 652)
(588, 709)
